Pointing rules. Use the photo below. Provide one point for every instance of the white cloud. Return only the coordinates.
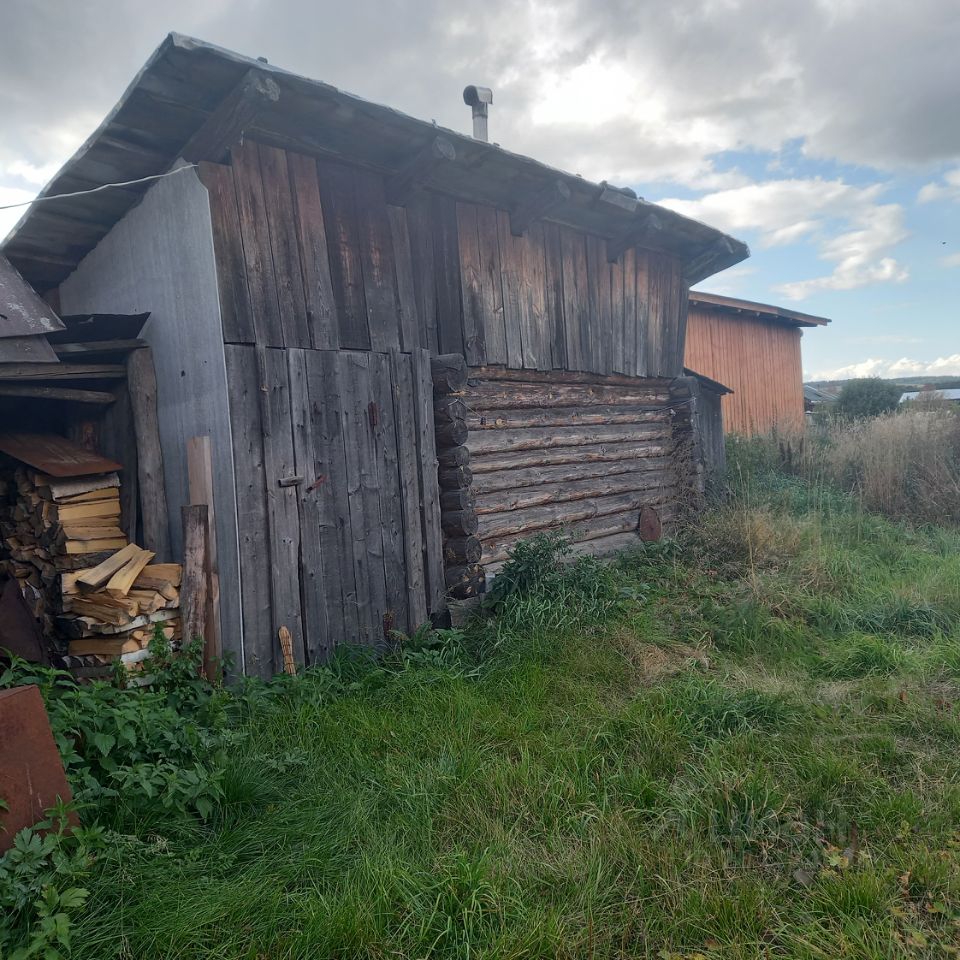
(784, 211)
(951, 260)
(904, 367)
(948, 188)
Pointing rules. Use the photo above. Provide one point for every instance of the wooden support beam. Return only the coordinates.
(237, 112)
(200, 490)
(715, 257)
(646, 227)
(194, 586)
(439, 150)
(142, 382)
(537, 206)
(622, 197)
(39, 392)
(62, 371)
(96, 347)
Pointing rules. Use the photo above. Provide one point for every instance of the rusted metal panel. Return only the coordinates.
(55, 456)
(31, 772)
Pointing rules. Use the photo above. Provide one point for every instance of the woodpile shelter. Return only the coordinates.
(409, 348)
(754, 349)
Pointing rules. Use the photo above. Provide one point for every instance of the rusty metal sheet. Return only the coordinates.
(22, 312)
(55, 455)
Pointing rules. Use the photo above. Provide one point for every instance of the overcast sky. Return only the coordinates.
(825, 134)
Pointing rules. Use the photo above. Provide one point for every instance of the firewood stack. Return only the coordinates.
(81, 578)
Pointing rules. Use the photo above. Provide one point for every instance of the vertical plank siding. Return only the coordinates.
(324, 261)
(759, 360)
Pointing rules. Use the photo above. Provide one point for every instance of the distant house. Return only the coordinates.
(754, 349)
(950, 395)
(814, 397)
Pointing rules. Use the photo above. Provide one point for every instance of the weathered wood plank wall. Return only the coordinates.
(334, 503)
(545, 451)
(329, 263)
(760, 362)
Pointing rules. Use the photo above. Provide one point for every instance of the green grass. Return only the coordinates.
(743, 745)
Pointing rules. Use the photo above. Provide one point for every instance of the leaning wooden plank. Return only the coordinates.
(97, 576)
(200, 486)
(193, 597)
(70, 394)
(120, 583)
(142, 381)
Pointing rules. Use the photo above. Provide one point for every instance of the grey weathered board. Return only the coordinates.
(337, 497)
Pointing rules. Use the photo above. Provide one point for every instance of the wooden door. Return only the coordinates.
(338, 506)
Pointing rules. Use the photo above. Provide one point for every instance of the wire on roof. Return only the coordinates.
(103, 186)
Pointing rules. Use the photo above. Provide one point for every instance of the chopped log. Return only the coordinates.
(106, 508)
(286, 648)
(449, 409)
(97, 577)
(120, 583)
(74, 547)
(453, 500)
(452, 434)
(449, 373)
(462, 551)
(459, 523)
(454, 457)
(452, 478)
(465, 581)
(167, 572)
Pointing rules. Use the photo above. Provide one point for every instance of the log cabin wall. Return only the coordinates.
(526, 452)
(312, 254)
(758, 359)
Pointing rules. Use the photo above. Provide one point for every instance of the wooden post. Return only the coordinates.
(193, 588)
(200, 479)
(142, 383)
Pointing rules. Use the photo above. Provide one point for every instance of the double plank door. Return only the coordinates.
(337, 498)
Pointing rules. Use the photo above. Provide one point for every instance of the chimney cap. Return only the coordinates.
(473, 95)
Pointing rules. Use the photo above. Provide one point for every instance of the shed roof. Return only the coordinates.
(186, 80)
(950, 393)
(715, 385)
(763, 311)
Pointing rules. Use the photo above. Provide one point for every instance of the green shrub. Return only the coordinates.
(870, 397)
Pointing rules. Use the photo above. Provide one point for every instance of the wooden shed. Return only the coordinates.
(754, 349)
(409, 348)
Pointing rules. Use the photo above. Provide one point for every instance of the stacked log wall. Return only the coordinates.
(573, 452)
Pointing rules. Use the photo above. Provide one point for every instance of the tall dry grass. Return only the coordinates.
(904, 464)
(901, 464)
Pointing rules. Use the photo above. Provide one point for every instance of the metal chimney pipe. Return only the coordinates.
(479, 100)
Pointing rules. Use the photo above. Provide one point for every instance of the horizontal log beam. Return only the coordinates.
(418, 168)
(499, 501)
(454, 457)
(562, 473)
(462, 551)
(537, 206)
(642, 233)
(449, 408)
(451, 434)
(455, 478)
(527, 519)
(235, 114)
(454, 500)
(39, 392)
(504, 396)
(563, 376)
(459, 523)
(494, 441)
(587, 453)
(62, 371)
(600, 415)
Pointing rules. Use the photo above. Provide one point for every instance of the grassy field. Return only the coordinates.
(741, 745)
